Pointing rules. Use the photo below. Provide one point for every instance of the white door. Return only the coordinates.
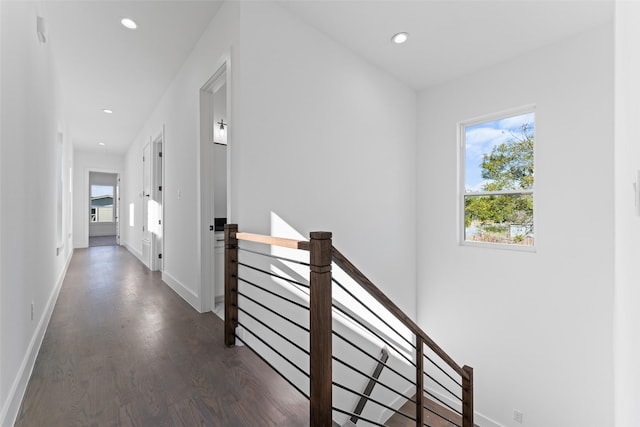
(146, 199)
(116, 205)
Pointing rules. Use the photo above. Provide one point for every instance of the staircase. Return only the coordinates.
(311, 315)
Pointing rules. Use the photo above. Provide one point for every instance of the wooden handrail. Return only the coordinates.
(322, 254)
(346, 265)
(274, 241)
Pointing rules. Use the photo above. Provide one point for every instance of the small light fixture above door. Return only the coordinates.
(220, 132)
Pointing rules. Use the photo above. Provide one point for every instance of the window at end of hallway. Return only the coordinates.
(497, 180)
(101, 203)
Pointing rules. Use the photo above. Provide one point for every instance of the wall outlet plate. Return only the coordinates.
(517, 416)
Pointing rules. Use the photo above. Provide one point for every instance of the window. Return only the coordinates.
(101, 203)
(497, 170)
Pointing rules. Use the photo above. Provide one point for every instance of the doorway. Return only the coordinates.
(153, 203)
(103, 209)
(215, 194)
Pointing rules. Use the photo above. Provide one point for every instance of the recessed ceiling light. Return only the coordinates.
(129, 23)
(400, 38)
(106, 110)
(100, 143)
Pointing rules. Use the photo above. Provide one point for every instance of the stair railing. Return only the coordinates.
(321, 308)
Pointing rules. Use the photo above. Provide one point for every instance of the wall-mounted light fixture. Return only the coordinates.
(220, 132)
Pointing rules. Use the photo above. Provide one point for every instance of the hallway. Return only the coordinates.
(123, 349)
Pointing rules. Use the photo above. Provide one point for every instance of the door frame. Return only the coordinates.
(206, 211)
(87, 198)
(157, 185)
(149, 259)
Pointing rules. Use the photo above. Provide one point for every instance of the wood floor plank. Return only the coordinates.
(122, 349)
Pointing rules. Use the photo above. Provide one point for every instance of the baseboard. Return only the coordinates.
(80, 245)
(483, 421)
(133, 251)
(187, 294)
(11, 406)
(478, 418)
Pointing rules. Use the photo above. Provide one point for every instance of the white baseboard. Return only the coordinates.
(11, 406)
(80, 245)
(187, 294)
(483, 421)
(478, 418)
(133, 251)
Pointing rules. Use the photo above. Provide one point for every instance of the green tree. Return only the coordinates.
(509, 166)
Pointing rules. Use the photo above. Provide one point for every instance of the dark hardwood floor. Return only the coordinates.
(122, 349)
(430, 417)
(102, 241)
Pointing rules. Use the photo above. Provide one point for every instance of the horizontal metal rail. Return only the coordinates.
(321, 257)
(341, 261)
(346, 265)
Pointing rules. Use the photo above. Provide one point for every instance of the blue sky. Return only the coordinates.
(101, 190)
(481, 138)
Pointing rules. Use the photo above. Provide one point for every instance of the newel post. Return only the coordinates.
(230, 284)
(467, 398)
(320, 248)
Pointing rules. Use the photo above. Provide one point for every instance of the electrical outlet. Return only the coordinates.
(32, 310)
(517, 416)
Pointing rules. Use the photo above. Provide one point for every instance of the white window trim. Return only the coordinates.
(461, 126)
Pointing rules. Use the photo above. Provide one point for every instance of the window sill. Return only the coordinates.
(500, 246)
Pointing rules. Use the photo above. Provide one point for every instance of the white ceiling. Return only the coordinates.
(103, 65)
(448, 38)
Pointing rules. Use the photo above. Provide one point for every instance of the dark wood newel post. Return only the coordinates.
(320, 248)
(230, 284)
(467, 398)
(419, 381)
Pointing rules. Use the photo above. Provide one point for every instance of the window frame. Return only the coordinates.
(463, 194)
(97, 214)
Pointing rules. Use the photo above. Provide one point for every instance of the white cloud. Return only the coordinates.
(514, 123)
(477, 186)
(481, 140)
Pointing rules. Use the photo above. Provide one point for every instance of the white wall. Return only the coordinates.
(627, 232)
(179, 112)
(327, 142)
(31, 270)
(537, 327)
(85, 162)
